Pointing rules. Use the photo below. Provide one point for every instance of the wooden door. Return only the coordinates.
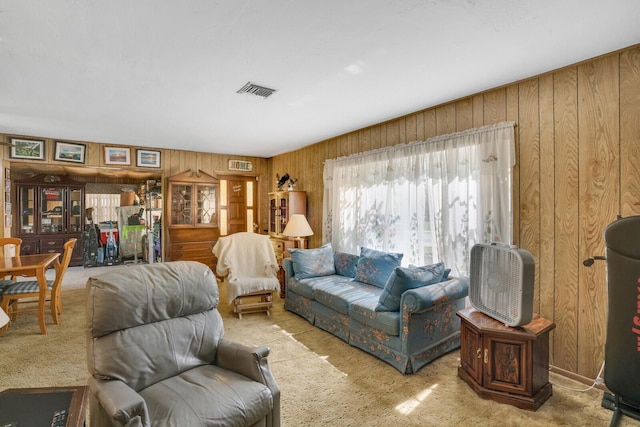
(238, 204)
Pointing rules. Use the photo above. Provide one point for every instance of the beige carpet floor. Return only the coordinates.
(323, 380)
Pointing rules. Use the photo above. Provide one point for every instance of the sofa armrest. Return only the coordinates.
(421, 299)
(122, 403)
(287, 266)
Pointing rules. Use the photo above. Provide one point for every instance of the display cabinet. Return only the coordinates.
(283, 204)
(192, 217)
(505, 364)
(50, 211)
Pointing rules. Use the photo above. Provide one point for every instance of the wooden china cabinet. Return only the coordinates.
(192, 214)
(283, 204)
(49, 211)
(505, 364)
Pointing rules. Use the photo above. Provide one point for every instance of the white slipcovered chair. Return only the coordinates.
(248, 264)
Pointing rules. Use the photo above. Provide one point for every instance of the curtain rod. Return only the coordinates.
(497, 126)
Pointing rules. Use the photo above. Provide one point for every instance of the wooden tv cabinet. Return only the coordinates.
(505, 364)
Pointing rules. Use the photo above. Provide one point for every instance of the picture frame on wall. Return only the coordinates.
(29, 149)
(7, 173)
(7, 208)
(147, 158)
(70, 152)
(7, 221)
(117, 156)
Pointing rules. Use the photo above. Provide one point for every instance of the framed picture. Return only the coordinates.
(147, 158)
(22, 148)
(69, 152)
(7, 185)
(117, 156)
(7, 173)
(7, 208)
(7, 221)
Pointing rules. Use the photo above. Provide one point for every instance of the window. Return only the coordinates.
(430, 200)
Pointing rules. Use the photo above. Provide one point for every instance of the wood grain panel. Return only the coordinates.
(430, 129)
(547, 199)
(478, 111)
(494, 107)
(420, 135)
(446, 119)
(411, 128)
(565, 355)
(393, 133)
(512, 101)
(630, 132)
(365, 140)
(464, 115)
(598, 100)
(530, 175)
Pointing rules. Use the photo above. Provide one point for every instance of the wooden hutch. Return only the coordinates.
(192, 217)
(49, 211)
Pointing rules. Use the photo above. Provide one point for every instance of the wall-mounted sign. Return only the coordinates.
(240, 165)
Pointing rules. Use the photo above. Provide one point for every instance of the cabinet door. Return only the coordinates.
(206, 209)
(507, 368)
(181, 207)
(471, 351)
(30, 247)
(76, 207)
(26, 211)
(52, 210)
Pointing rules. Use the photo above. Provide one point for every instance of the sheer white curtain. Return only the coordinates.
(431, 200)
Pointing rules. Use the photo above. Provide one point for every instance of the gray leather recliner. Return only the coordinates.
(157, 356)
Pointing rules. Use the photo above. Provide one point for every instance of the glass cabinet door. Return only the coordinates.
(206, 209)
(52, 210)
(26, 210)
(75, 208)
(181, 207)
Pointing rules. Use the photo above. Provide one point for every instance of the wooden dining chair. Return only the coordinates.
(11, 295)
(6, 244)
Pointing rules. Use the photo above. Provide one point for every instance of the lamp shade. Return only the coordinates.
(297, 227)
(4, 319)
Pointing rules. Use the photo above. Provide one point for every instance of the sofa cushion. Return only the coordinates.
(364, 311)
(313, 262)
(341, 292)
(375, 267)
(346, 264)
(403, 279)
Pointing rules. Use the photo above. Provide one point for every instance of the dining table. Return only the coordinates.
(31, 266)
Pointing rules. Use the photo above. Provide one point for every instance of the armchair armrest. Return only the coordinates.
(122, 403)
(421, 299)
(250, 361)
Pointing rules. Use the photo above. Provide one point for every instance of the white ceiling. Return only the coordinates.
(160, 73)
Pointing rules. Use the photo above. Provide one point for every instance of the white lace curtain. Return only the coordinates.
(431, 200)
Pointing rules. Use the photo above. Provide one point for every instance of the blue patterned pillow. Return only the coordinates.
(375, 267)
(403, 279)
(346, 264)
(313, 262)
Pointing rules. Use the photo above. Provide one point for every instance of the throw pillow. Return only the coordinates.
(313, 262)
(375, 267)
(346, 264)
(403, 279)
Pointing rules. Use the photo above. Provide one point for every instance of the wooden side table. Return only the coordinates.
(505, 364)
(50, 406)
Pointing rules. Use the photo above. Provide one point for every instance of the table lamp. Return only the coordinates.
(4, 319)
(298, 228)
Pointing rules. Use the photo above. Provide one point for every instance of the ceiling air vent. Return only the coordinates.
(254, 89)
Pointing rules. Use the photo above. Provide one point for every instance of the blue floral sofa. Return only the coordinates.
(405, 316)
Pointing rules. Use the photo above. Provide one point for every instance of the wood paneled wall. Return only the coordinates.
(172, 162)
(578, 167)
